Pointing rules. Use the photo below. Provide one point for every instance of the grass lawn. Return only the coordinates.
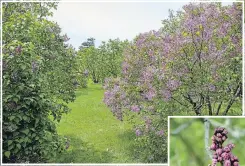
(96, 136)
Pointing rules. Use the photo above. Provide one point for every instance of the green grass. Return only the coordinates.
(96, 136)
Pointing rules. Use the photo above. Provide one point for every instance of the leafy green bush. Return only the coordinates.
(38, 81)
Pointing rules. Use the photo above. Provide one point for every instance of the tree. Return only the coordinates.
(193, 66)
(104, 61)
(111, 54)
(87, 44)
(37, 82)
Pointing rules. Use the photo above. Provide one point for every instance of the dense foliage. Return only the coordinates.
(102, 62)
(38, 79)
(193, 65)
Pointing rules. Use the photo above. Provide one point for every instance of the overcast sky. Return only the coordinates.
(110, 20)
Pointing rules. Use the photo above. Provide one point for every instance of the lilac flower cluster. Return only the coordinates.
(148, 74)
(166, 95)
(114, 97)
(138, 132)
(222, 154)
(135, 108)
(173, 84)
(150, 94)
(160, 133)
(212, 87)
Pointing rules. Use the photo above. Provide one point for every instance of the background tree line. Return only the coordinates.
(102, 62)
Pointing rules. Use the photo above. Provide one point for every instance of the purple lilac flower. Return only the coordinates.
(135, 108)
(108, 96)
(222, 154)
(156, 33)
(151, 53)
(166, 95)
(138, 132)
(160, 133)
(148, 74)
(212, 87)
(150, 94)
(173, 84)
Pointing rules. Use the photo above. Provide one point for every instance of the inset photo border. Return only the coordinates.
(151, 103)
(204, 140)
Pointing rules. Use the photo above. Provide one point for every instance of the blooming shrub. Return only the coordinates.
(222, 154)
(193, 65)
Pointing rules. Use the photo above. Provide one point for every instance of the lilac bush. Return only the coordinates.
(222, 154)
(192, 65)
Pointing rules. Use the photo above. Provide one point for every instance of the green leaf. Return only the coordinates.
(7, 154)
(19, 146)
(9, 142)
(15, 99)
(23, 67)
(11, 118)
(26, 131)
(11, 147)
(25, 118)
(34, 135)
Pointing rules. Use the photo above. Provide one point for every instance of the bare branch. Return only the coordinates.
(183, 126)
(232, 100)
(210, 111)
(219, 106)
(206, 136)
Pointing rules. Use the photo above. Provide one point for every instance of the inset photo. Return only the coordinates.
(206, 141)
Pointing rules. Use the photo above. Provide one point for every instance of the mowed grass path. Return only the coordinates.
(96, 136)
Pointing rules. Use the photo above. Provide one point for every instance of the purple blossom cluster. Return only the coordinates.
(173, 84)
(150, 94)
(114, 97)
(166, 95)
(135, 108)
(138, 132)
(160, 133)
(222, 154)
(212, 87)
